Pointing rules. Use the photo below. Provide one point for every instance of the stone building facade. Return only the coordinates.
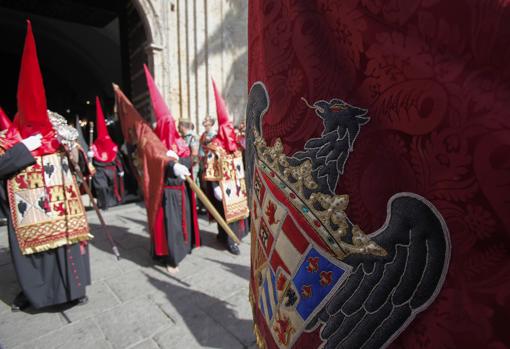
(186, 43)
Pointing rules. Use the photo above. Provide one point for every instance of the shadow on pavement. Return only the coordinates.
(203, 326)
(243, 271)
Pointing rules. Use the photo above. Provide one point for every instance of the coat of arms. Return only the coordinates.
(316, 276)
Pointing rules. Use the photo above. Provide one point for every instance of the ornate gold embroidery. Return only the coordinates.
(261, 343)
(328, 209)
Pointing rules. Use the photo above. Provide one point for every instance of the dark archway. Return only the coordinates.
(83, 47)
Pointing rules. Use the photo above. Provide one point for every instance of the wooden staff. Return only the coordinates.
(211, 209)
(78, 172)
(91, 133)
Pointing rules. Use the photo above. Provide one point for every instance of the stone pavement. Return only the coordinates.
(134, 303)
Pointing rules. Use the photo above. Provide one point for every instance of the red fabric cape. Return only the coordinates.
(439, 106)
(150, 161)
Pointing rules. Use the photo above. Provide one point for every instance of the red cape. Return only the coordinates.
(150, 161)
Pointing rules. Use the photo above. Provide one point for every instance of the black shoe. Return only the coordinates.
(234, 249)
(20, 303)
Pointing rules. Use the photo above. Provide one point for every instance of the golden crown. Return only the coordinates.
(328, 210)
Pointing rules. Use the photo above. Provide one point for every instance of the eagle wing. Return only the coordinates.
(384, 294)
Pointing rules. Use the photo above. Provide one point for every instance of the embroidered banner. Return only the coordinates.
(228, 171)
(46, 206)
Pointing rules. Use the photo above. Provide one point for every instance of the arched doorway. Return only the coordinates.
(83, 47)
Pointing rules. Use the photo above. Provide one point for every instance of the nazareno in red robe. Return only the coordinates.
(435, 81)
(148, 155)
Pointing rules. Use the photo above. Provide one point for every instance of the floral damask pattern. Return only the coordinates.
(435, 77)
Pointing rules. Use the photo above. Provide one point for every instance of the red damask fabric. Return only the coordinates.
(435, 78)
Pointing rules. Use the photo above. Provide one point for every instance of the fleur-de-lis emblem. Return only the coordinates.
(313, 264)
(325, 278)
(306, 291)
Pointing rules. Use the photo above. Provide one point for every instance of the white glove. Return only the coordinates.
(181, 171)
(121, 174)
(217, 193)
(172, 154)
(90, 154)
(32, 142)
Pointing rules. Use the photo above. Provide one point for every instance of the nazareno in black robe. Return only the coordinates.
(180, 216)
(47, 278)
(107, 183)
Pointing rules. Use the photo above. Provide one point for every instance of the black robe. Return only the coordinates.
(175, 210)
(107, 183)
(47, 278)
(240, 227)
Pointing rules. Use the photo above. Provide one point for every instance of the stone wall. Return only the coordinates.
(188, 43)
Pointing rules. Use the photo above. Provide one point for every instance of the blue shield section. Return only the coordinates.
(314, 280)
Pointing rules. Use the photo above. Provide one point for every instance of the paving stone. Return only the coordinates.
(135, 303)
(132, 322)
(136, 283)
(9, 286)
(179, 303)
(17, 328)
(236, 316)
(4, 306)
(101, 298)
(82, 334)
(5, 256)
(198, 331)
(103, 264)
(146, 344)
(219, 283)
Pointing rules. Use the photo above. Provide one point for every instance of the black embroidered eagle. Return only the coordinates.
(383, 294)
(329, 153)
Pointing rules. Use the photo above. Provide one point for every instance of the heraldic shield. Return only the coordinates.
(318, 280)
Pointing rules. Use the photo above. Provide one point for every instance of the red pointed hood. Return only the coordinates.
(226, 136)
(105, 150)
(5, 122)
(32, 115)
(165, 122)
(10, 136)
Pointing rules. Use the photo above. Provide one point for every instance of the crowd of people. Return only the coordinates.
(45, 164)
